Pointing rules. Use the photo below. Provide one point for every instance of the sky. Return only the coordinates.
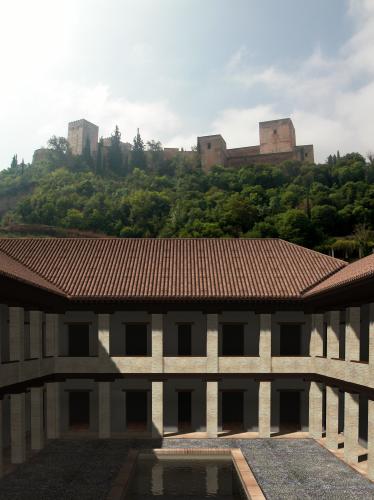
(182, 68)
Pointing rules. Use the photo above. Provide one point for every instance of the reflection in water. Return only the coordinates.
(184, 478)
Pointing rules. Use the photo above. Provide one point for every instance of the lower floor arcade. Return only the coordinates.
(142, 407)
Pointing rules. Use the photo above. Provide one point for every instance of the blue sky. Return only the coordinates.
(182, 68)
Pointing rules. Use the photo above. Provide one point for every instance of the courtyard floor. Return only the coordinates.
(85, 469)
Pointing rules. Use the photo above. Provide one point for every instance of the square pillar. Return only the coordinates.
(352, 334)
(53, 410)
(212, 343)
(157, 343)
(371, 339)
(1, 440)
(103, 321)
(157, 409)
(315, 410)
(51, 334)
(351, 409)
(212, 409)
(316, 336)
(265, 342)
(16, 333)
(37, 431)
(264, 409)
(104, 409)
(332, 417)
(333, 328)
(17, 428)
(36, 327)
(371, 439)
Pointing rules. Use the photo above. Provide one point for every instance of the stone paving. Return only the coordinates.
(84, 469)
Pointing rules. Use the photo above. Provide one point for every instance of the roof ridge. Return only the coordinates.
(316, 252)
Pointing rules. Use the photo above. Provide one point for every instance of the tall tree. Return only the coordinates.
(100, 158)
(138, 158)
(115, 152)
(14, 163)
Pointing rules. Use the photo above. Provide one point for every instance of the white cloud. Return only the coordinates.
(330, 101)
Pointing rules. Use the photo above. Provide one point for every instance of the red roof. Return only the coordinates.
(174, 269)
(360, 269)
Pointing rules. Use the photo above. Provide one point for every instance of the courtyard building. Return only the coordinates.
(115, 338)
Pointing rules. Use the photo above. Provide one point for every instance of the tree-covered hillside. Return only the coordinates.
(329, 207)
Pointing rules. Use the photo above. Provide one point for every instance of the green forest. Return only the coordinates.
(328, 207)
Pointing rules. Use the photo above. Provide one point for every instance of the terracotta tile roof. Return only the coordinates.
(177, 269)
(361, 269)
(13, 269)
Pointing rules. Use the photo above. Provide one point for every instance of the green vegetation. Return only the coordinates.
(328, 207)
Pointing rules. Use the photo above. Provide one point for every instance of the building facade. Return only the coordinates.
(277, 144)
(134, 337)
(81, 133)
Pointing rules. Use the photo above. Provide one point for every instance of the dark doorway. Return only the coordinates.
(232, 340)
(79, 340)
(290, 340)
(184, 410)
(184, 340)
(79, 410)
(289, 411)
(136, 340)
(136, 410)
(232, 411)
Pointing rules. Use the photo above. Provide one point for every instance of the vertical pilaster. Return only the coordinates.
(17, 428)
(16, 333)
(316, 336)
(351, 409)
(157, 343)
(315, 410)
(333, 327)
(371, 439)
(1, 440)
(332, 417)
(264, 409)
(352, 334)
(371, 340)
(265, 342)
(36, 326)
(37, 431)
(51, 334)
(53, 409)
(157, 409)
(103, 321)
(212, 409)
(212, 343)
(104, 409)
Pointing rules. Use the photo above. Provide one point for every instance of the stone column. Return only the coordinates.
(212, 409)
(371, 439)
(351, 409)
(103, 321)
(36, 326)
(157, 343)
(371, 340)
(51, 334)
(157, 409)
(104, 409)
(16, 333)
(264, 409)
(212, 343)
(53, 409)
(352, 334)
(316, 336)
(315, 410)
(333, 327)
(265, 343)
(37, 431)
(332, 417)
(17, 428)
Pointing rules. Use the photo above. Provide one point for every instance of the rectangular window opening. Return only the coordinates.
(184, 340)
(79, 339)
(136, 340)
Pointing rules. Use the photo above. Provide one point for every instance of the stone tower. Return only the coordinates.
(277, 136)
(81, 131)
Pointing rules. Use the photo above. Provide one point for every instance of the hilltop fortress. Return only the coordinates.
(277, 144)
